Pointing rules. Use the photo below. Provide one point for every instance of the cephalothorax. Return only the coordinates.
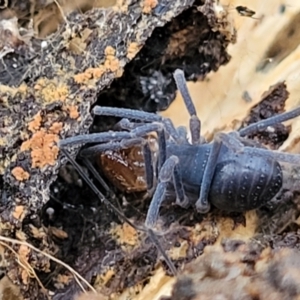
(231, 172)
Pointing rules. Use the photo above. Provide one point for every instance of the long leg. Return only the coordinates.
(195, 124)
(169, 171)
(96, 174)
(108, 190)
(202, 204)
(104, 137)
(137, 115)
(102, 198)
(252, 128)
(235, 143)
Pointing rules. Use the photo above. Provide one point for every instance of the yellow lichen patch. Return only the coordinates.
(96, 72)
(35, 124)
(21, 235)
(132, 50)
(78, 44)
(206, 230)
(20, 174)
(106, 277)
(227, 228)
(125, 234)
(50, 90)
(179, 252)
(37, 233)
(19, 212)
(5, 89)
(23, 88)
(64, 279)
(24, 252)
(160, 285)
(43, 149)
(121, 5)
(148, 5)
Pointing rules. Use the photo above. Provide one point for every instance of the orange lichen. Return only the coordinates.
(64, 279)
(109, 50)
(132, 50)
(82, 77)
(20, 174)
(112, 63)
(73, 111)
(89, 73)
(148, 5)
(59, 233)
(35, 124)
(43, 149)
(24, 252)
(19, 212)
(95, 72)
(56, 128)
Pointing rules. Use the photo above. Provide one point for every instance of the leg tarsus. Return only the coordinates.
(96, 174)
(252, 128)
(202, 204)
(166, 174)
(101, 197)
(156, 242)
(148, 167)
(195, 123)
(156, 202)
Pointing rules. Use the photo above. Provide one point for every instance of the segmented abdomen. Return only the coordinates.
(245, 182)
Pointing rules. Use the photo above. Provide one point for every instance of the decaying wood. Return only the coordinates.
(48, 84)
(48, 87)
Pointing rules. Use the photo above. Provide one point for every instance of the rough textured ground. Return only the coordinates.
(48, 85)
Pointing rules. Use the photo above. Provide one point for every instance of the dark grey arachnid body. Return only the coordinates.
(232, 172)
(241, 181)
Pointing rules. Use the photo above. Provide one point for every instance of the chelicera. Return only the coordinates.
(148, 154)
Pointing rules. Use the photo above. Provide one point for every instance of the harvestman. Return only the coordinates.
(230, 172)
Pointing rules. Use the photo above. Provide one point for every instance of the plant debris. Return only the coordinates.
(48, 84)
(244, 272)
